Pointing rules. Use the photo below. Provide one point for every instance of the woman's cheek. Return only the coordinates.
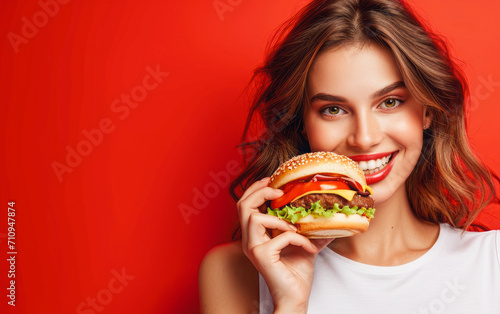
(324, 138)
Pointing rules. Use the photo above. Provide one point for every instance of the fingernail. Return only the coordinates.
(293, 227)
(264, 179)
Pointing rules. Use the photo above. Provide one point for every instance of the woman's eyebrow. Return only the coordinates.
(381, 92)
(327, 97)
(388, 89)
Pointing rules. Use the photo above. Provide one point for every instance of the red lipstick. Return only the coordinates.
(370, 156)
(382, 174)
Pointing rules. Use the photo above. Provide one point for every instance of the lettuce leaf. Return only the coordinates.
(292, 214)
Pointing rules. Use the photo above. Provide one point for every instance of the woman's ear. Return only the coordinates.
(427, 118)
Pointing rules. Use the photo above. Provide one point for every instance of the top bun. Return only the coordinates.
(313, 163)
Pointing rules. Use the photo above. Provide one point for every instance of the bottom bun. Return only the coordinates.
(337, 226)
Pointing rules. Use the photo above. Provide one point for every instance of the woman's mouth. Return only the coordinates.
(375, 166)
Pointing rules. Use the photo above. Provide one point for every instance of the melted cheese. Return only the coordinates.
(347, 194)
(366, 187)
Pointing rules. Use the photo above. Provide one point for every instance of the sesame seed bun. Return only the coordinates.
(313, 163)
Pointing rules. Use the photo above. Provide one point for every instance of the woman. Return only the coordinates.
(359, 78)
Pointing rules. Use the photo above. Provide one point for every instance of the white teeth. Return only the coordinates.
(374, 165)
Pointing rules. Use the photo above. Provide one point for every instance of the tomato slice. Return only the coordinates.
(295, 189)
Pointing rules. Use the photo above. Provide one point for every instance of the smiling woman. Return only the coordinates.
(362, 78)
(374, 121)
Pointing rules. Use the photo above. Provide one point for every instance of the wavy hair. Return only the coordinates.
(449, 183)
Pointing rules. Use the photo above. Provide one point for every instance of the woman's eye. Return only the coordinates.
(333, 111)
(391, 103)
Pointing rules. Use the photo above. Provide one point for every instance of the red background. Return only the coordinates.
(119, 207)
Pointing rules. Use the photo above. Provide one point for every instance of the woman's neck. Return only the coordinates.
(395, 236)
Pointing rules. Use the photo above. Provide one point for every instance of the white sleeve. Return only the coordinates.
(266, 305)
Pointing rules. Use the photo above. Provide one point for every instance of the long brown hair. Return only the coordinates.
(449, 183)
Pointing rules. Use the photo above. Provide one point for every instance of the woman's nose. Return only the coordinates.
(366, 132)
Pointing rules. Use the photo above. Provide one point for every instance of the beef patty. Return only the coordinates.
(328, 200)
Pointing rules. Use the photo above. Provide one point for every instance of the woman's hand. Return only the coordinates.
(286, 262)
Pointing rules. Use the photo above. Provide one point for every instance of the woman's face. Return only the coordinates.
(360, 107)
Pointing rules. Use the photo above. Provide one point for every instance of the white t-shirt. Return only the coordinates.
(459, 274)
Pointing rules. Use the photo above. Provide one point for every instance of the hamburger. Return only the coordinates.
(325, 195)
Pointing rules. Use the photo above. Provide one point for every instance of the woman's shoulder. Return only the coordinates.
(228, 281)
(468, 234)
(472, 242)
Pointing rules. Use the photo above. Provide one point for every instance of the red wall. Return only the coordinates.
(108, 228)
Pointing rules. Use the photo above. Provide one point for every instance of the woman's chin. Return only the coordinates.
(385, 190)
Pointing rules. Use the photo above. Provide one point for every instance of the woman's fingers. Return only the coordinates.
(322, 243)
(270, 251)
(254, 187)
(250, 204)
(259, 197)
(257, 224)
(253, 201)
